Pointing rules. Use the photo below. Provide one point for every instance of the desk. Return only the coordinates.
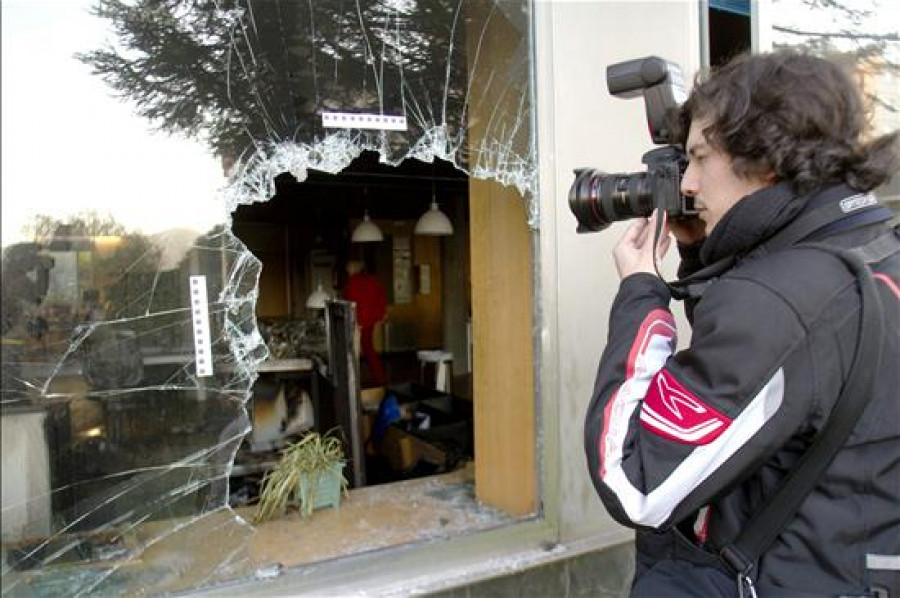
(299, 364)
(271, 405)
(249, 464)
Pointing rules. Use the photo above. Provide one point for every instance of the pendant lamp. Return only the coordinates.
(434, 222)
(366, 231)
(317, 298)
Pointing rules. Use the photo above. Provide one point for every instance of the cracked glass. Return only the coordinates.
(132, 133)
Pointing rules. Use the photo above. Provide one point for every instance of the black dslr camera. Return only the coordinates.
(598, 199)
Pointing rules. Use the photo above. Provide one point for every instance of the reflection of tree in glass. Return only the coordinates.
(849, 32)
(237, 71)
(119, 269)
(24, 285)
(44, 229)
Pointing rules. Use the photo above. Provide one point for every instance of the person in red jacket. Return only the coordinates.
(367, 292)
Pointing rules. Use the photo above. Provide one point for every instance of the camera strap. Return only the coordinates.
(691, 287)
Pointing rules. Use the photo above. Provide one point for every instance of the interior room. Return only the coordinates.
(406, 412)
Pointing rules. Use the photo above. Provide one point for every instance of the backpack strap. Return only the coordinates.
(879, 248)
(772, 517)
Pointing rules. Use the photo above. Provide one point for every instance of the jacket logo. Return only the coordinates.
(856, 202)
(672, 412)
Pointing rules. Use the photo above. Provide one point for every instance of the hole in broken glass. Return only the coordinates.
(415, 416)
(411, 298)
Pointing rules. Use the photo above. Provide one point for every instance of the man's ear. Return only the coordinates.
(766, 179)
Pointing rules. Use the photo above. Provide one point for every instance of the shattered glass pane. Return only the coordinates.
(132, 129)
(425, 61)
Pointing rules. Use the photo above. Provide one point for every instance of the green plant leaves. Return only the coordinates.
(312, 456)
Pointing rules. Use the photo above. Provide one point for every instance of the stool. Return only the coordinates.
(442, 364)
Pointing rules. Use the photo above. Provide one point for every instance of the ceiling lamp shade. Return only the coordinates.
(366, 231)
(434, 222)
(317, 298)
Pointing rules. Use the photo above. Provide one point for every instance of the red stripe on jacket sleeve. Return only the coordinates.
(890, 283)
(617, 413)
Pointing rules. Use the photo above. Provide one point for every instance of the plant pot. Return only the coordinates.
(324, 491)
(309, 475)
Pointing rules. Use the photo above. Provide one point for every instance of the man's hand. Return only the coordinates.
(687, 231)
(634, 251)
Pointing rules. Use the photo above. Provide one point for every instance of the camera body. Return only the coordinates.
(597, 199)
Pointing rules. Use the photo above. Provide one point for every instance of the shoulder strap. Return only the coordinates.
(879, 248)
(825, 214)
(772, 517)
(860, 205)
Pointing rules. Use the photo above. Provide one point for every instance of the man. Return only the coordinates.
(25, 282)
(685, 446)
(368, 293)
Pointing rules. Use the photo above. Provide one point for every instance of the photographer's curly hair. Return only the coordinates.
(792, 114)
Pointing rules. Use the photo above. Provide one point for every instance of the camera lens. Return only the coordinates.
(598, 199)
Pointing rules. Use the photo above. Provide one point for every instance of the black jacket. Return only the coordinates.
(700, 437)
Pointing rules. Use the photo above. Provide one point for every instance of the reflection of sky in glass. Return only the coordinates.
(70, 146)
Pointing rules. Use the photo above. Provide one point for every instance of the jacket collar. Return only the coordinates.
(751, 221)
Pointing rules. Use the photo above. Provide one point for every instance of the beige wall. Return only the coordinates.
(579, 124)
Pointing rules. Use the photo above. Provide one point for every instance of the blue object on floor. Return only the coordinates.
(388, 413)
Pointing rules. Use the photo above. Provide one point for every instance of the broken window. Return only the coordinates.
(180, 178)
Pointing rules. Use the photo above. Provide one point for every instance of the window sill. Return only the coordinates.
(222, 551)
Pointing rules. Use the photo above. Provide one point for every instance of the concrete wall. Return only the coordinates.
(600, 574)
(580, 124)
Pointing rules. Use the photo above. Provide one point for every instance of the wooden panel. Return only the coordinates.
(273, 297)
(502, 320)
(427, 250)
(503, 379)
(268, 243)
(424, 312)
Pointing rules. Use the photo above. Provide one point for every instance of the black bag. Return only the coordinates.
(685, 570)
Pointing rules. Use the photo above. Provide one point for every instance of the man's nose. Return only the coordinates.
(689, 185)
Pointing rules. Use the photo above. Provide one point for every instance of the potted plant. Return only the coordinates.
(309, 475)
